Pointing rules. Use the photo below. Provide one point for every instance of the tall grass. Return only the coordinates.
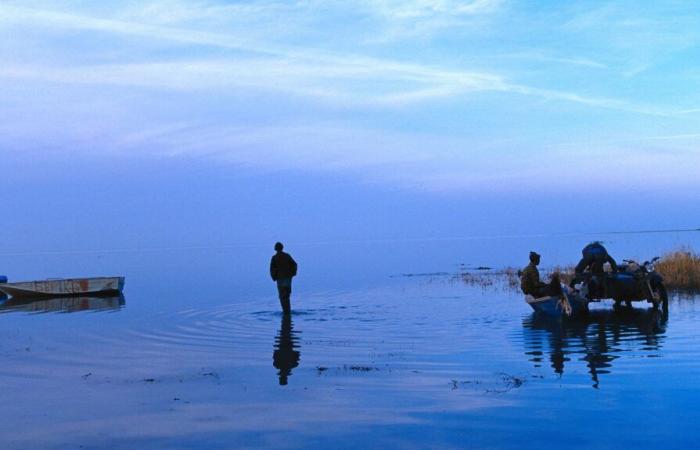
(680, 269)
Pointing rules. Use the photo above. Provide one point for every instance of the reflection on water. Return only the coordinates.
(598, 339)
(286, 355)
(62, 304)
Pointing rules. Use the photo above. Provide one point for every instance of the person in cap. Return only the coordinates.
(282, 269)
(530, 280)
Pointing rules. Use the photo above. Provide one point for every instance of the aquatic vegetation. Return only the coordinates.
(566, 273)
(680, 269)
(348, 368)
(502, 383)
(509, 277)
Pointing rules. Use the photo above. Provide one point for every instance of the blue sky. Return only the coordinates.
(435, 100)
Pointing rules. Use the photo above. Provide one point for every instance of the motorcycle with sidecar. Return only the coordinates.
(632, 282)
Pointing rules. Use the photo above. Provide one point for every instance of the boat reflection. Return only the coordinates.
(598, 339)
(62, 304)
(286, 355)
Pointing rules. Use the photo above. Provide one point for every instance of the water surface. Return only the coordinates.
(197, 355)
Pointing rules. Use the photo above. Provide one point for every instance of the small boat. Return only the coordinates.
(61, 287)
(568, 304)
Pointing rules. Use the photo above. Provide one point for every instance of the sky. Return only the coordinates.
(188, 122)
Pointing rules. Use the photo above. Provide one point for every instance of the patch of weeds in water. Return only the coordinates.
(510, 382)
(360, 368)
(348, 368)
(429, 274)
(505, 383)
(507, 278)
(457, 384)
(487, 278)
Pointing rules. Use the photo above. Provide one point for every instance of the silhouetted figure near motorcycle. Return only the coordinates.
(591, 267)
(282, 269)
(286, 356)
(530, 280)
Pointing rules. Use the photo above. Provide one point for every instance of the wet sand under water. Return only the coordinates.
(417, 362)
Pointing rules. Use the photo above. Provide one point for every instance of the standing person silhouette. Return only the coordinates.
(282, 269)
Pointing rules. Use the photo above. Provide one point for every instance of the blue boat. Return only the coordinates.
(569, 304)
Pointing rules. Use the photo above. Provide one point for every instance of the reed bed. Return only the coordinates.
(680, 269)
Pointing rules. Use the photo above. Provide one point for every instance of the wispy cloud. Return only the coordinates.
(539, 56)
(298, 70)
(361, 81)
(637, 38)
(446, 111)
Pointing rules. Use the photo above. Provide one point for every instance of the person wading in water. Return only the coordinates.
(282, 269)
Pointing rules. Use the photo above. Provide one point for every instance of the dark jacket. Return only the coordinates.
(282, 265)
(530, 280)
(594, 258)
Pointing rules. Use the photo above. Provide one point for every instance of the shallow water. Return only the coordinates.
(196, 355)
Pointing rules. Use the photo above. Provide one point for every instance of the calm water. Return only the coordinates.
(196, 355)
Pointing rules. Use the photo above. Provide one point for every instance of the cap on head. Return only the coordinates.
(534, 256)
(278, 246)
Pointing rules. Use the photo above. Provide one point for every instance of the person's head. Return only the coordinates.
(534, 258)
(594, 249)
(278, 246)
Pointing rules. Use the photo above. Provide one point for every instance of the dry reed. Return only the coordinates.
(680, 269)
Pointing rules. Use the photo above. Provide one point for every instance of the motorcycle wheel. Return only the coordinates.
(662, 296)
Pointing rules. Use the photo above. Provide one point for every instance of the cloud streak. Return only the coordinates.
(299, 71)
(412, 111)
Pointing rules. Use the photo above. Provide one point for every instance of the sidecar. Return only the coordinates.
(627, 286)
(624, 286)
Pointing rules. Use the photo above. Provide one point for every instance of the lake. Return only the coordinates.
(387, 347)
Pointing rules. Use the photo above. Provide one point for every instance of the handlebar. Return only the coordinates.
(631, 261)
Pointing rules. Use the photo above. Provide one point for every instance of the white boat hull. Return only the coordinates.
(64, 287)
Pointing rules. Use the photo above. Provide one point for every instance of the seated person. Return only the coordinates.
(530, 280)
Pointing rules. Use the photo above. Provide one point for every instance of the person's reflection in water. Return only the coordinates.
(286, 356)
